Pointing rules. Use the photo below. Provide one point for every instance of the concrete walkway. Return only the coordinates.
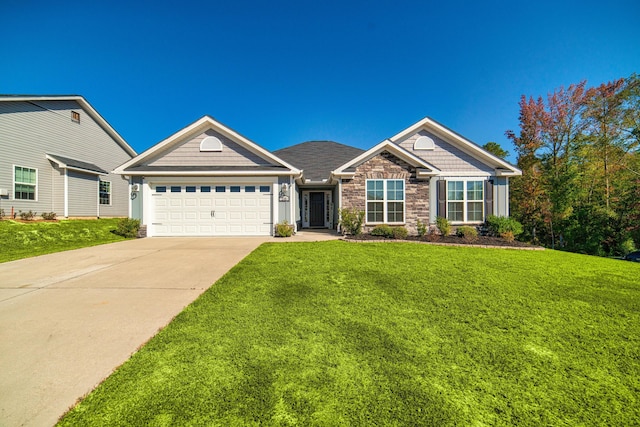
(67, 320)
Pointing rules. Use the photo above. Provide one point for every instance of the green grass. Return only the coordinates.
(336, 333)
(29, 239)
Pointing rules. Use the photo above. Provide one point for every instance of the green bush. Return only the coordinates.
(443, 225)
(469, 234)
(382, 231)
(422, 227)
(127, 227)
(284, 229)
(49, 216)
(351, 221)
(504, 226)
(1, 213)
(27, 216)
(400, 232)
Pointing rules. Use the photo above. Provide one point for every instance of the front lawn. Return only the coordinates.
(28, 239)
(337, 333)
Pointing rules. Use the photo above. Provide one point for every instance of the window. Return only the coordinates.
(176, 189)
(385, 200)
(265, 189)
(161, 189)
(234, 188)
(249, 189)
(205, 189)
(190, 188)
(220, 188)
(465, 201)
(25, 181)
(75, 116)
(105, 193)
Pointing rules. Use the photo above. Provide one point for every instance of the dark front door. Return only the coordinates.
(316, 210)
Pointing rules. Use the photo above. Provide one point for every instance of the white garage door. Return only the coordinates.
(212, 210)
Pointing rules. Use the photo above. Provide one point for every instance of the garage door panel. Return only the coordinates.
(212, 213)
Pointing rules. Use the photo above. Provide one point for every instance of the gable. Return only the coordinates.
(189, 153)
(445, 156)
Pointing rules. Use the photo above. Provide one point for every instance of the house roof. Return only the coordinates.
(502, 166)
(85, 106)
(318, 158)
(137, 164)
(426, 168)
(74, 164)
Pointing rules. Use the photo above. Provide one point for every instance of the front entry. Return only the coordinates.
(316, 209)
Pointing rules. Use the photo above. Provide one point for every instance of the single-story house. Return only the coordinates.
(208, 180)
(56, 155)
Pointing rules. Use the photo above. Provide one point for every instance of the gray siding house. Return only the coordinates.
(56, 155)
(208, 180)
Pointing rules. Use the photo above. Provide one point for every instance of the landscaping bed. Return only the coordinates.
(451, 240)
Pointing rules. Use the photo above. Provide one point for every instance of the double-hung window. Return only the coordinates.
(105, 193)
(465, 201)
(385, 201)
(25, 181)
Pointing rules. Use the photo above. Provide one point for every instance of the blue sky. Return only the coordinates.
(284, 72)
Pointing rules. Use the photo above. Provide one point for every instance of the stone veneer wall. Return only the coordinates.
(387, 166)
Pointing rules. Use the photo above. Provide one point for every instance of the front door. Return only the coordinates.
(316, 209)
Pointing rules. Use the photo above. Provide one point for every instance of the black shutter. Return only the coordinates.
(442, 198)
(488, 198)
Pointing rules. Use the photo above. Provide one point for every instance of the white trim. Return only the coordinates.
(84, 104)
(275, 201)
(464, 200)
(209, 173)
(457, 140)
(385, 201)
(35, 186)
(201, 125)
(110, 193)
(328, 217)
(213, 144)
(394, 149)
(66, 193)
(459, 174)
(62, 165)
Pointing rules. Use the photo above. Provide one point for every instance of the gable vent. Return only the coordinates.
(424, 143)
(211, 143)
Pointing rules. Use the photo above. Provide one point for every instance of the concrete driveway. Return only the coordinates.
(67, 320)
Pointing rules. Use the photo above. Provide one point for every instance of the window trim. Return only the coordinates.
(100, 193)
(465, 201)
(385, 202)
(35, 186)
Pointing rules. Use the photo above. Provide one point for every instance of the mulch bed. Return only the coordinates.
(482, 241)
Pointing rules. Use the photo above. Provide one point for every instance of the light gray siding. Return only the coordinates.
(189, 154)
(83, 196)
(445, 156)
(501, 196)
(30, 130)
(136, 199)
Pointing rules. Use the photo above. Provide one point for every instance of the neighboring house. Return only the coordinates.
(56, 155)
(208, 180)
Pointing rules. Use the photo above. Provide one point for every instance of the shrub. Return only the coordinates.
(1, 213)
(284, 229)
(127, 227)
(400, 232)
(443, 225)
(351, 221)
(508, 236)
(422, 228)
(383, 231)
(499, 225)
(27, 216)
(469, 234)
(49, 216)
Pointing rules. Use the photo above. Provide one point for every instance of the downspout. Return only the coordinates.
(292, 204)
(98, 199)
(66, 193)
(338, 228)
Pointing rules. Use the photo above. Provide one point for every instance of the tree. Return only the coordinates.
(495, 149)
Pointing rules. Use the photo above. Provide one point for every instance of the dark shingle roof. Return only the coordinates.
(318, 158)
(78, 164)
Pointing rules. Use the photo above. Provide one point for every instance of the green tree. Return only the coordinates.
(495, 149)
